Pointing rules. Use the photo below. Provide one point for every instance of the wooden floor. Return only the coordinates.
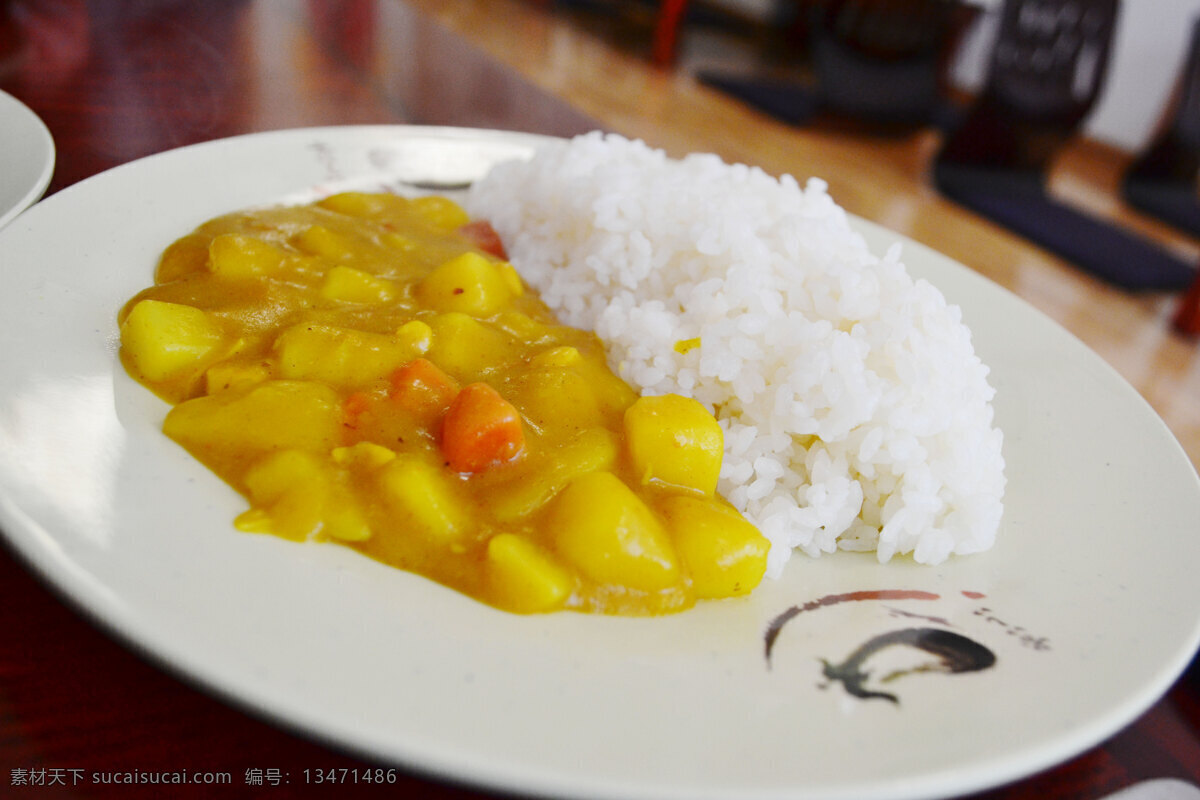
(882, 179)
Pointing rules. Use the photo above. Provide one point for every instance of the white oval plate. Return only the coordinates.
(1089, 602)
(26, 157)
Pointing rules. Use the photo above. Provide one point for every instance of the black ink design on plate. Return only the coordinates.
(776, 625)
(954, 653)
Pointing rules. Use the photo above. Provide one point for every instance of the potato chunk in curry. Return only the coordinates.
(370, 370)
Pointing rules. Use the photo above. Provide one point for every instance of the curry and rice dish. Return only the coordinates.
(370, 370)
(650, 383)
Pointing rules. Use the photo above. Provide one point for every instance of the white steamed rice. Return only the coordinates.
(856, 413)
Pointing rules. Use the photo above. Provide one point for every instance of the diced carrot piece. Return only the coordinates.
(485, 237)
(423, 389)
(481, 430)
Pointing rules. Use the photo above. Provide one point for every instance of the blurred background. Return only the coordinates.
(1149, 50)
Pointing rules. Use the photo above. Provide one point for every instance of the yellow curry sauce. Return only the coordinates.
(369, 369)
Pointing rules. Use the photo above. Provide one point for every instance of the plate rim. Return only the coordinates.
(33, 126)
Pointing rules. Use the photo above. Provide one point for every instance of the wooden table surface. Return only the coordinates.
(118, 81)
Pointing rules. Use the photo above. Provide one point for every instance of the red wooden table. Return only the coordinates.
(118, 81)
